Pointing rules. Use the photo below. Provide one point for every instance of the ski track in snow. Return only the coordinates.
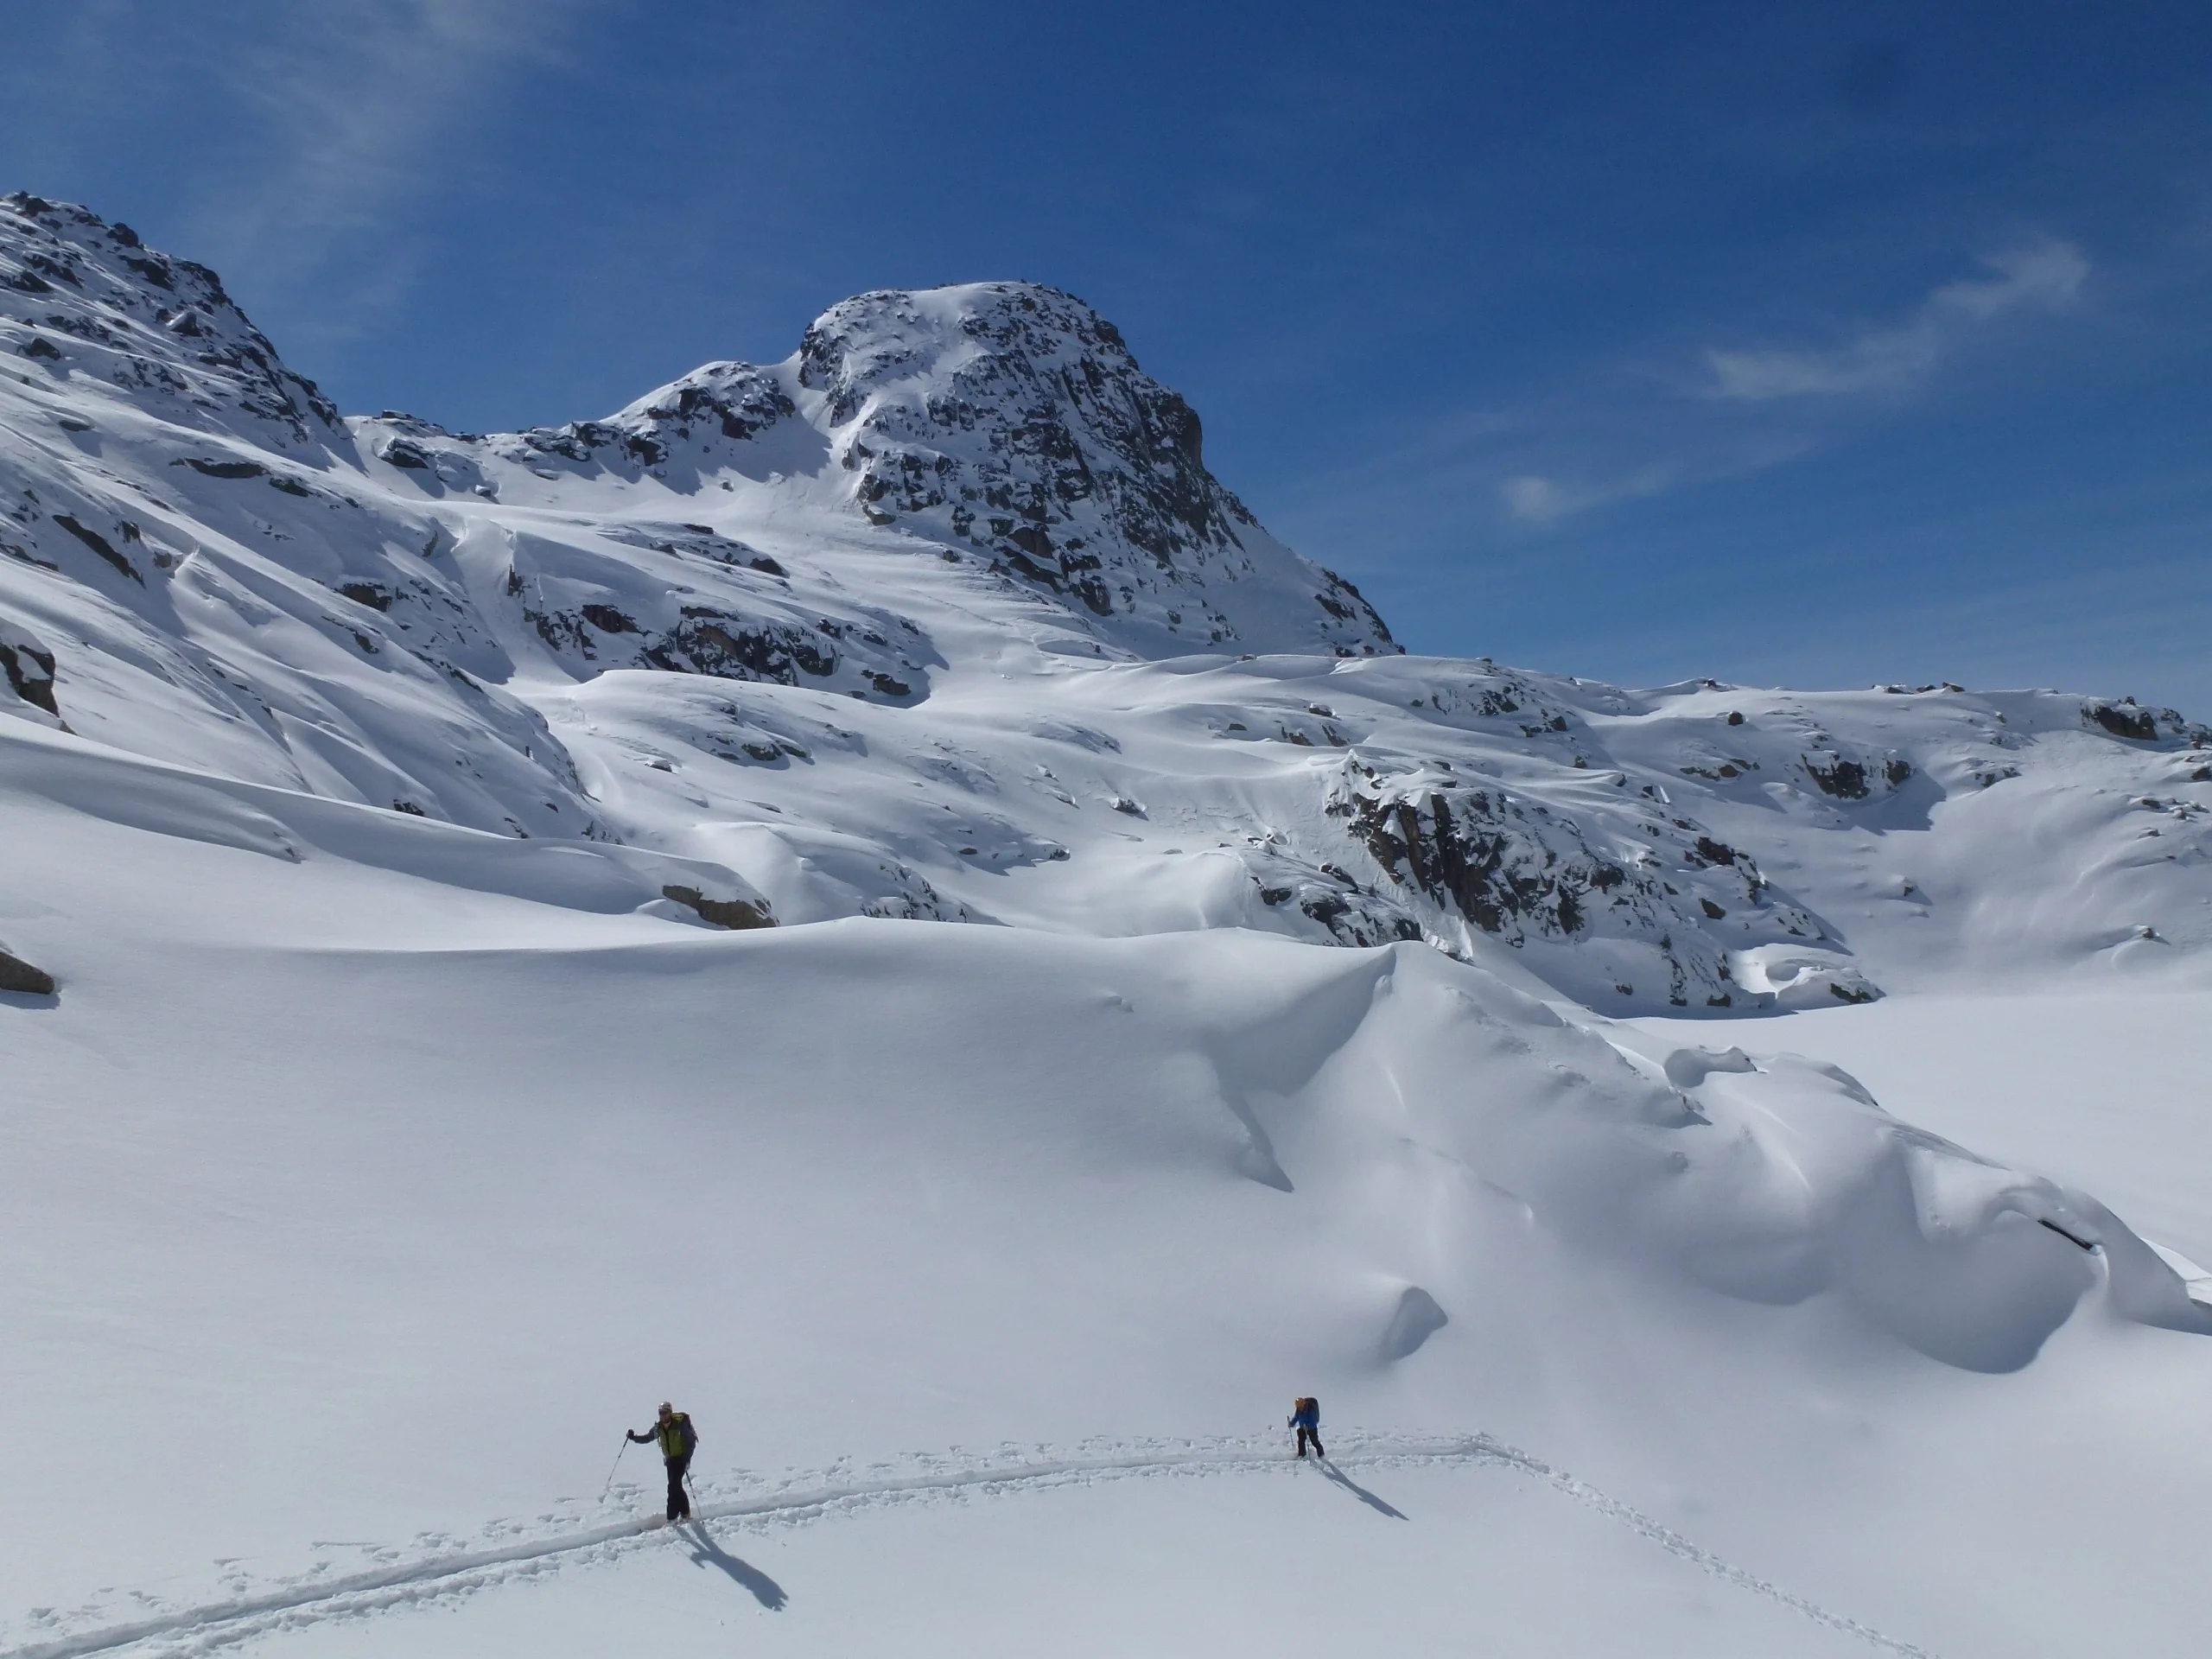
(295, 1603)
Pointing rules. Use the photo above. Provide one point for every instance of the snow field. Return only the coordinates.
(405, 1124)
(1311, 1563)
(375, 1207)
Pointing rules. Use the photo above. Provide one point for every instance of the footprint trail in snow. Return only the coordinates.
(297, 1603)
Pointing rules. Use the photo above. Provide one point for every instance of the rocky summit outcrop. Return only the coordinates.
(1011, 418)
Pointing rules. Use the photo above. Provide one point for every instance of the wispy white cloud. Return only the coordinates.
(2043, 275)
(302, 149)
(358, 102)
(1538, 499)
(1653, 425)
(1541, 498)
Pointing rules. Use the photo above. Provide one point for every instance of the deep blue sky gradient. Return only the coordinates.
(1814, 344)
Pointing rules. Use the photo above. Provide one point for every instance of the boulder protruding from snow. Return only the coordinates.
(27, 666)
(1413, 1321)
(722, 912)
(22, 979)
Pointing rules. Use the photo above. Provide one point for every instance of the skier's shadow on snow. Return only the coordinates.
(1380, 1506)
(707, 1553)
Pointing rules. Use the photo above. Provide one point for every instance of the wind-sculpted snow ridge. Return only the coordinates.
(448, 1570)
(897, 628)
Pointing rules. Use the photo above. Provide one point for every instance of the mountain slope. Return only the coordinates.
(376, 1173)
(892, 628)
(402, 1082)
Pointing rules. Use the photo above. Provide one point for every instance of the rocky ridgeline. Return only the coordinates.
(79, 294)
(1004, 418)
(2128, 719)
(685, 599)
(1474, 853)
(222, 483)
(690, 421)
(1651, 905)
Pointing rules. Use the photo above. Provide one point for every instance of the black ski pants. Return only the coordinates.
(679, 1500)
(1312, 1435)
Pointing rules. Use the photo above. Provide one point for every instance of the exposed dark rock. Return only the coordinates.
(1460, 849)
(1845, 780)
(1524, 874)
(29, 669)
(739, 648)
(2123, 720)
(20, 977)
(100, 545)
(1412, 1322)
(375, 596)
(608, 620)
(223, 469)
(722, 912)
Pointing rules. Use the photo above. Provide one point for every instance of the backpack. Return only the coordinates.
(690, 1435)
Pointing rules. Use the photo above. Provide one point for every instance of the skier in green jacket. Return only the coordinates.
(677, 1439)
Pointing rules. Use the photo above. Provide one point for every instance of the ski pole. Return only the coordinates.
(611, 1467)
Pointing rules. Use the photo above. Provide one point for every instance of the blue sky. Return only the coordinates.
(1812, 344)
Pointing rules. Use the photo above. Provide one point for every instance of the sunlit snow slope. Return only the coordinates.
(465, 985)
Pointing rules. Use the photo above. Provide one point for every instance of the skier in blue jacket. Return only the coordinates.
(1306, 1417)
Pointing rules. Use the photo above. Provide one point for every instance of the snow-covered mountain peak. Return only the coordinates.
(689, 425)
(1011, 418)
(943, 616)
(88, 300)
(1006, 423)
(894, 341)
